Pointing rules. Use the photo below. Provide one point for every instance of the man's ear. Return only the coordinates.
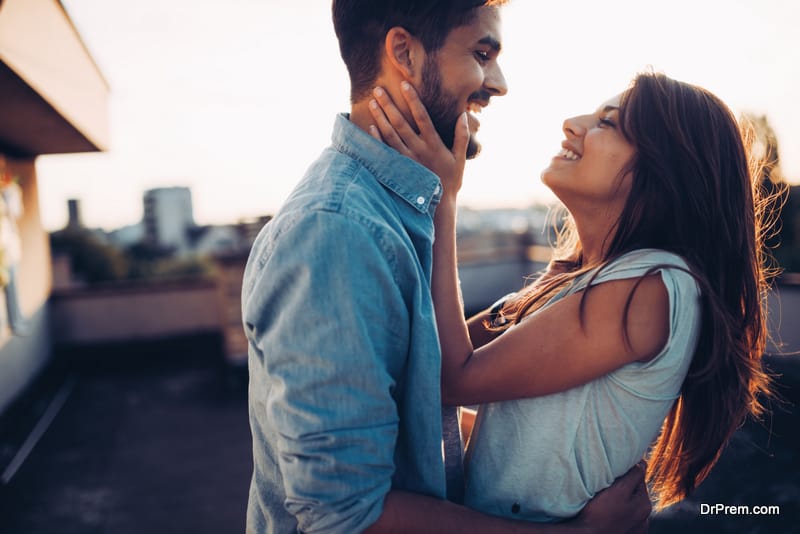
(404, 52)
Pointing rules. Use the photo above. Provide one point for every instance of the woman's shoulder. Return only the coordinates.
(641, 262)
(650, 257)
(674, 271)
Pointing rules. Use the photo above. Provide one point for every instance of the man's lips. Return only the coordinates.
(476, 106)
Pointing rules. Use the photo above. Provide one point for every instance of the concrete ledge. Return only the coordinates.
(133, 313)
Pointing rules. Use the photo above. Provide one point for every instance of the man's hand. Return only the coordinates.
(623, 507)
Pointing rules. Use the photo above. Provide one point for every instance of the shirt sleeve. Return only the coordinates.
(330, 326)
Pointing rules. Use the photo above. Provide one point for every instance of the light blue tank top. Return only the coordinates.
(542, 459)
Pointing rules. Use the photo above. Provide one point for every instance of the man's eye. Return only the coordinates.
(481, 55)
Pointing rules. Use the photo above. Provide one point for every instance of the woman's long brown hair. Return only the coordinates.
(695, 193)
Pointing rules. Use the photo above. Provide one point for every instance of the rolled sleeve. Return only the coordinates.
(328, 324)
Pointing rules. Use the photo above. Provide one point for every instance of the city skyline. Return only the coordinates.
(235, 102)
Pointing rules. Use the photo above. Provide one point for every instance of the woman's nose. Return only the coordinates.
(573, 128)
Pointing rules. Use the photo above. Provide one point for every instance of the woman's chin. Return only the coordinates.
(546, 177)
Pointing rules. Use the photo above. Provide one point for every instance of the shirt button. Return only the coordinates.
(436, 191)
(420, 200)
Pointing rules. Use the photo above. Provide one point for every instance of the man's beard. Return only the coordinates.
(443, 108)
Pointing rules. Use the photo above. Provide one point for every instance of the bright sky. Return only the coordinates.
(234, 99)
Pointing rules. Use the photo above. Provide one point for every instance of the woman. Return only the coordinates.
(648, 325)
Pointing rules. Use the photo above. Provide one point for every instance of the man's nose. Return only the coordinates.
(495, 82)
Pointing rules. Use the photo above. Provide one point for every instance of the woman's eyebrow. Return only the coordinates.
(607, 109)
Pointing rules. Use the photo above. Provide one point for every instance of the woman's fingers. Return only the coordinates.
(418, 111)
(404, 130)
(373, 131)
(426, 146)
(461, 139)
(384, 129)
(427, 130)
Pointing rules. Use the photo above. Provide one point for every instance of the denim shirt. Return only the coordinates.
(344, 357)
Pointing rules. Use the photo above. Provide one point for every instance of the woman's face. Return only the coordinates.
(587, 173)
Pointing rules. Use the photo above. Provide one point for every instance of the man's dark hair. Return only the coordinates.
(361, 27)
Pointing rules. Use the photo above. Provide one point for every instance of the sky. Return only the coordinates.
(235, 99)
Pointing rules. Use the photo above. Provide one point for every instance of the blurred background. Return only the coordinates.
(144, 144)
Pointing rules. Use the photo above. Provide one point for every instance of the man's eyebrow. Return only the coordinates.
(491, 42)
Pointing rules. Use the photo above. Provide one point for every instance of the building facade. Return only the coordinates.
(168, 218)
(53, 100)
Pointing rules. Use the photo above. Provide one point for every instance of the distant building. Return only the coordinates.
(75, 221)
(74, 210)
(214, 240)
(126, 236)
(531, 221)
(53, 100)
(168, 218)
(250, 228)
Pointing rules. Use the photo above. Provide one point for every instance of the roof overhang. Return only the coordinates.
(53, 97)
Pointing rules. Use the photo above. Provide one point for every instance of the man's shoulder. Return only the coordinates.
(330, 183)
(338, 186)
(336, 192)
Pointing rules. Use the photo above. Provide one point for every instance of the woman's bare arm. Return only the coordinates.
(559, 347)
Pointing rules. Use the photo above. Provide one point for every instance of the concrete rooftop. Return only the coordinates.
(154, 438)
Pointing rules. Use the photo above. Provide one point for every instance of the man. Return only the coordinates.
(345, 406)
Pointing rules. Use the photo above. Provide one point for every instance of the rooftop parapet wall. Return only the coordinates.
(137, 312)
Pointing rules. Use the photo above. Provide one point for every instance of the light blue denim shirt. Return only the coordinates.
(344, 356)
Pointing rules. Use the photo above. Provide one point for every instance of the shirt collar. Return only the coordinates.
(405, 177)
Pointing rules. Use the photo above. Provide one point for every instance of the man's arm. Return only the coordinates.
(623, 508)
(329, 327)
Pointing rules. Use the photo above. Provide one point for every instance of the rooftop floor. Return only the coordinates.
(161, 446)
(159, 442)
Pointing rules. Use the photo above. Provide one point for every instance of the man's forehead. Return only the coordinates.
(483, 29)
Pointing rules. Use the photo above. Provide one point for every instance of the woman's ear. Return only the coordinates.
(404, 53)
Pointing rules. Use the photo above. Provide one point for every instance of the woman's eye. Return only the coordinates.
(605, 121)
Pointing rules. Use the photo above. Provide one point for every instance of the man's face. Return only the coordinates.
(463, 75)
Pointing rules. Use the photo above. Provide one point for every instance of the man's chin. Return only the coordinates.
(473, 148)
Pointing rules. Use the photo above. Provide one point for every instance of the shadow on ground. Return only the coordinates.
(153, 438)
